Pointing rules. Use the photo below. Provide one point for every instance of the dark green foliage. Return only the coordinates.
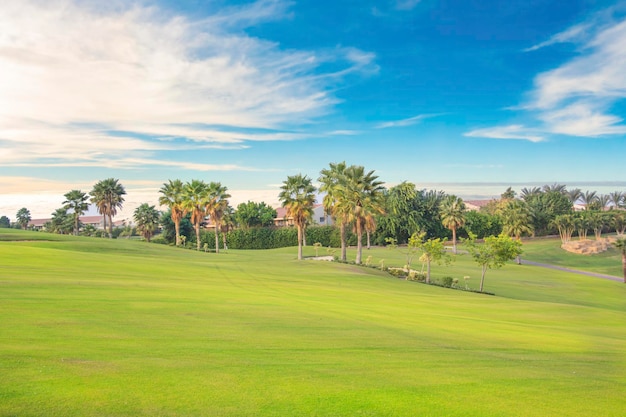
(447, 281)
(253, 214)
(544, 208)
(169, 231)
(5, 223)
(481, 224)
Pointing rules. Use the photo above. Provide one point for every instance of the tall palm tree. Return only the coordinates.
(330, 179)
(588, 197)
(359, 195)
(527, 193)
(76, 201)
(216, 206)
(23, 217)
(147, 219)
(574, 195)
(452, 212)
(616, 198)
(228, 224)
(107, 195)
(603, 201)
(620, 245)
(516, 221)
(172, 197)
(195, 197)
(297, 195)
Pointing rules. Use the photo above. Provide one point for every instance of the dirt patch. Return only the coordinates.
(588, 247)
(321, 258)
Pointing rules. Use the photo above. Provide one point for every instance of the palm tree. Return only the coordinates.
(452, 212)
(216, 206)
(195, 197)
(588, 197)
(516, 220)
(616, 198)
(603, 201)
(574, 195)
(172, 197)
(107, 195)
(330, 179)
(228, 224)
(619, 222)
(527, 193)
(359, 195)
(147, 219)
(620, 245)
(76, 201)
(555, 188)
(23, 217)
(297, 195)
(60, 222)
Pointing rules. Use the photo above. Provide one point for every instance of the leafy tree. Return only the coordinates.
(620, 245)
(359, 196)
(481, 224)
(516, 220)
(566, 224)
(453, 215)
(297, 195)
(195, 199)
(253, 214)
(172, 197)
(216, 206)
(108, 196)
(147, 219)
(169, 229)
(433, 250)
(597, 222)
(493, 253)
(616, 198)
(619, 221)
(582, 222)
(76, 201)
(545, 207)
(5, 223)
(61, 222)
(330, 178)
(23, 217)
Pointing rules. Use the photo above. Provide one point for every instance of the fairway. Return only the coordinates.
(98, 327)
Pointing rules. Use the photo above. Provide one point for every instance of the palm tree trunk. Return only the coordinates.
(304, 235)
(454, 240)
(368, 239)
(110, 226)
(224, 239)
(342, 233)
(76, 226)
(104, 221)
(197, 235)
(217, 238)
(359, 245)
(299, 242)
(177, 227)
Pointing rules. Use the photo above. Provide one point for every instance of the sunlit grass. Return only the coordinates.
(118, 328)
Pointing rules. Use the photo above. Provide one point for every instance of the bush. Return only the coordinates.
(447, 281)
(417, 276)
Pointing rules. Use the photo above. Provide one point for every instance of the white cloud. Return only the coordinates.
(578, 97)
(73, 72)
(506, 132)
(405, 122)
(406, 4)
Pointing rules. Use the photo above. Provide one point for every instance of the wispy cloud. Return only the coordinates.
(518, 132)
(406, 4)
(406, 122)
(74, 73)
(578, 97)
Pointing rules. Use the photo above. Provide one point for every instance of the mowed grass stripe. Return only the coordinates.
(157, 331)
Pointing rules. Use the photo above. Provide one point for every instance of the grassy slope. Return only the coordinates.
(93, 327)
(549, 251)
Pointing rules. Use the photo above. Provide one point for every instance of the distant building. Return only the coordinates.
(320, 218)
(95, 221)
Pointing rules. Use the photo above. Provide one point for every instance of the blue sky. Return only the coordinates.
(468, 97)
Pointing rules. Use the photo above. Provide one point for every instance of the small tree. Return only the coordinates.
(411, 250)
(5, 223)
(494, 253)
(147, 219)
(433, 250)
(23, 217)
(620, 244)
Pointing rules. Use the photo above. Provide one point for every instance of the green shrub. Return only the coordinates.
(447, 281)
(417, 276)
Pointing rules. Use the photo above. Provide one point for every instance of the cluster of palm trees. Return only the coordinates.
(590, 199)
(198, 198)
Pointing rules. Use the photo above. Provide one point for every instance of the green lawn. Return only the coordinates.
(549, 251)
(92, 327)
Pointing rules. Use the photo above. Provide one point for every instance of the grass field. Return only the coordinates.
(92, 327)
